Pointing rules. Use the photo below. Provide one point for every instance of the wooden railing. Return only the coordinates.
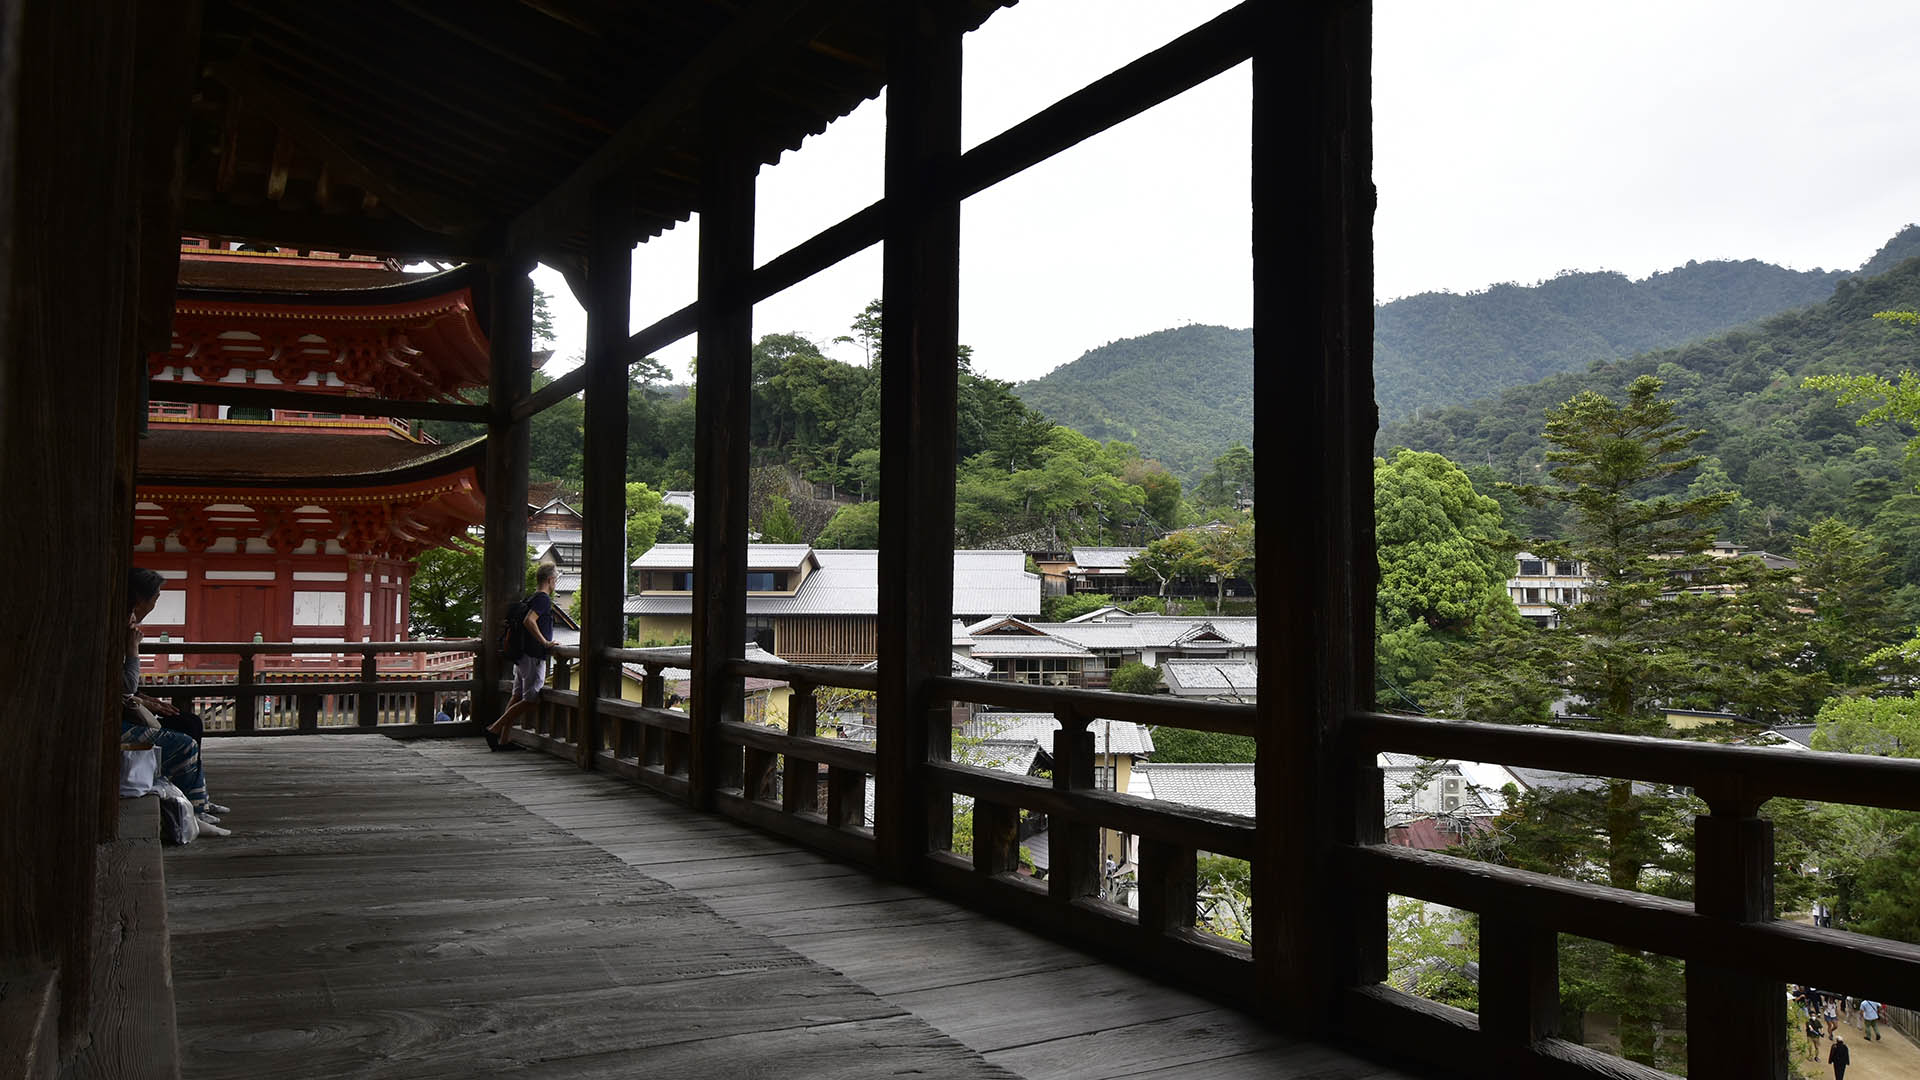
(771, 779)
(774, 774)
(1738, 954)
(1162, 933)
(244, 703)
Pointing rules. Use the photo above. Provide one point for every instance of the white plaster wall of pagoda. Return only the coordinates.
(319, 608)
(319, 575)
(170, 609)
(239, 575)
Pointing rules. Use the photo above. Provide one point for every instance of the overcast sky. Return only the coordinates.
(1513, 140)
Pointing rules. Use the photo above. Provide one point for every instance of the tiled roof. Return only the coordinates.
(1109, 736)
(1225, 788)
(759, 557)
(255, 454)
(1104, 558)
(995, 645)
(1200, 678)
(848, 583)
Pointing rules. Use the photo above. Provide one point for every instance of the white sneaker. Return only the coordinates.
(206, 816)
(208, 828)
(216, 808)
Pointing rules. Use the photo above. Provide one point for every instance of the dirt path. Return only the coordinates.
(1890, 1057)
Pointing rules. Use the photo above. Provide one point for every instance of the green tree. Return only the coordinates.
(777, 525)
(1226, 553)
(1621, 655)
(673, 525)
(1134, 677)
(1070, 606)
(1445, 558)
(543, 334)
(856, 526)
(643, 519)
(1185, 746)
(1172, 556)
(1886, 726)
(444, 597)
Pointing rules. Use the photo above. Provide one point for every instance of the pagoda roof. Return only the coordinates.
(415, 339)
(382, 496)
(250, 457)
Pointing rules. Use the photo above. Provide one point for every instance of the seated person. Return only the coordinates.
(141, 723)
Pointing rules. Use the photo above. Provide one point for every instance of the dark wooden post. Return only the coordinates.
(1169, 886)
(722, 416)
(918, 389)
(800, 787)
(1313, 395)
(245, 707)
(653, 694)
(1073, 865)
(1736, 1023)
(603, 617)
(510, 341)
(1519, 979)
(369, 690)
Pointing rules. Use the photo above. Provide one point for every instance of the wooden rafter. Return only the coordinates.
(328, 232)
(336, 148)
(756, 34)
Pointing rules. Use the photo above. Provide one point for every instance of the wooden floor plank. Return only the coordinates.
(1156, 1044)
(1036, 1008)
(377, 915)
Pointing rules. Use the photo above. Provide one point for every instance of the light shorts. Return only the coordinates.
(529, 677)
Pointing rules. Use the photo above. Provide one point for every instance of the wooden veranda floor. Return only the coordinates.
(429, 910)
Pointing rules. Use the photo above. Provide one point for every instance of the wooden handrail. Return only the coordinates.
(295, 689)
(1754, 772)
(835, 752)
(1187, 826)
(1211, 716)
(808, 674)
(1774, 949)
(155, 647)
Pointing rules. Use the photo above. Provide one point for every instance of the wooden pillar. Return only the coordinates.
(77, 224)
(918, 389)
(1314, 421)
(609, 296)
(356, 625)
(1736, 1023)
(510, 341)
(722, 409)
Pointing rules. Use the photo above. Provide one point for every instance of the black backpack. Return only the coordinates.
(513, 631)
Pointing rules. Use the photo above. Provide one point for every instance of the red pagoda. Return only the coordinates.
(282, 526)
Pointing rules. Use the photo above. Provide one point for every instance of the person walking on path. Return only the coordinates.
(1814, 1031)
(1838, 1057)
(536, 638)
(1833, 1016)
(1870, 1017)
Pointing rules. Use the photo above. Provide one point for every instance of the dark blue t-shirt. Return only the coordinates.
(542, 607)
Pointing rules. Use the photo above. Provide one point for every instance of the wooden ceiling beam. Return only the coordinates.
(335, 147)
(259, 397)
(758, 33)
(327, 232)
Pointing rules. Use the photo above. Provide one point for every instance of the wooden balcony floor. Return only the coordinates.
(427, 910)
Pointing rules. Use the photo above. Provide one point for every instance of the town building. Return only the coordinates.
(817, 605)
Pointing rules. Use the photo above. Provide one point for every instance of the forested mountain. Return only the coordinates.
(1439, 349)
(1182, 395)
(1792, 453)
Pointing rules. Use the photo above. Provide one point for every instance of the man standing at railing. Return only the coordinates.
(535, 641)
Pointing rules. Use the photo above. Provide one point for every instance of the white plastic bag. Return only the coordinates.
(178, 823)
(139, 771)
